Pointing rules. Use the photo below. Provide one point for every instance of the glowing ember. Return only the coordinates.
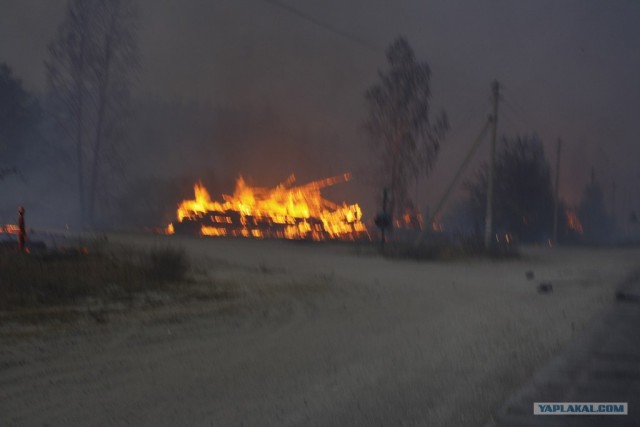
(410, 219)
(281, 212)
(9, 229)
(170, 229)
(573, 222)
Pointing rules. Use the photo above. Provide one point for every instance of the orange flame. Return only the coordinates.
(281, 212)
(9, 229)
(573, 222)
(411, 219)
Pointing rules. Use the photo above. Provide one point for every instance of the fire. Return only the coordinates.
(169, 229)
(9, 229)
(573, 222)
(280, 212)
(411, 219)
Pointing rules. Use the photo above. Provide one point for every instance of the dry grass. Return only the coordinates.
(167, 264)
(442, 248)
(56, 278)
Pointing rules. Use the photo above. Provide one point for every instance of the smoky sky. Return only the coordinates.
(569, 70)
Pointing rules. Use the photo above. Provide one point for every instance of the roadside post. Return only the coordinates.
(21, 230)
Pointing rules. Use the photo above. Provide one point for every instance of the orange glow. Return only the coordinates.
(9, 229)
(280, 212)
(169, 229)
(411, 218)
(573, 222)
(212, 231)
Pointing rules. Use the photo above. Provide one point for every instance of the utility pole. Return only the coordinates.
(557, 195)
(488, 225)
(22, 233)
(443, 200)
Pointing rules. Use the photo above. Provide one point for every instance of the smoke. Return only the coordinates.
(175, 143)
(231, 88)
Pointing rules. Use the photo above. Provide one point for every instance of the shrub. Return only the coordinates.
(441, 247)
(168, 264)
(59, 277)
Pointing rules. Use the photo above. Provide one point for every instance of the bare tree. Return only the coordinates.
(399, 123)
(92, 62)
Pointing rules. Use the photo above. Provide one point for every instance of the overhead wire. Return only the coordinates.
(510, 102)
(328, 27)
(461, 170)
(363, 43)
(514, 120)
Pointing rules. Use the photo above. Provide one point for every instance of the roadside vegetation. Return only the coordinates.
(446, 248)
(98, 271)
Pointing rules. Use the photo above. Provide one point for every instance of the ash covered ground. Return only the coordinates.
(310, 334)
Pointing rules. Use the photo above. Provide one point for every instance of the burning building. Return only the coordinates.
(284, 212)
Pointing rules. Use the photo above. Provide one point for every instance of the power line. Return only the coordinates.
(515, 120)
(518, 111)
(328, 27)
(516, 114)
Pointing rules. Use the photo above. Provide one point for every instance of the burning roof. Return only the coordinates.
(285, 211)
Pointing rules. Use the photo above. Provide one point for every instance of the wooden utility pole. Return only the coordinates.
(557, 195)
(488, 225)
(443, 200)
(22, 233)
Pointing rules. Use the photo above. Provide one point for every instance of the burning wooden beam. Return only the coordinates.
(284, 211)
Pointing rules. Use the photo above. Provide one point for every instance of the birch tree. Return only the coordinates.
(399, 124)
(93, 60)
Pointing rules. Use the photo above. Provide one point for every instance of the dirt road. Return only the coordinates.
(317, 335)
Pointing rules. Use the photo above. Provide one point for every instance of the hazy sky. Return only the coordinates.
(569, 69)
